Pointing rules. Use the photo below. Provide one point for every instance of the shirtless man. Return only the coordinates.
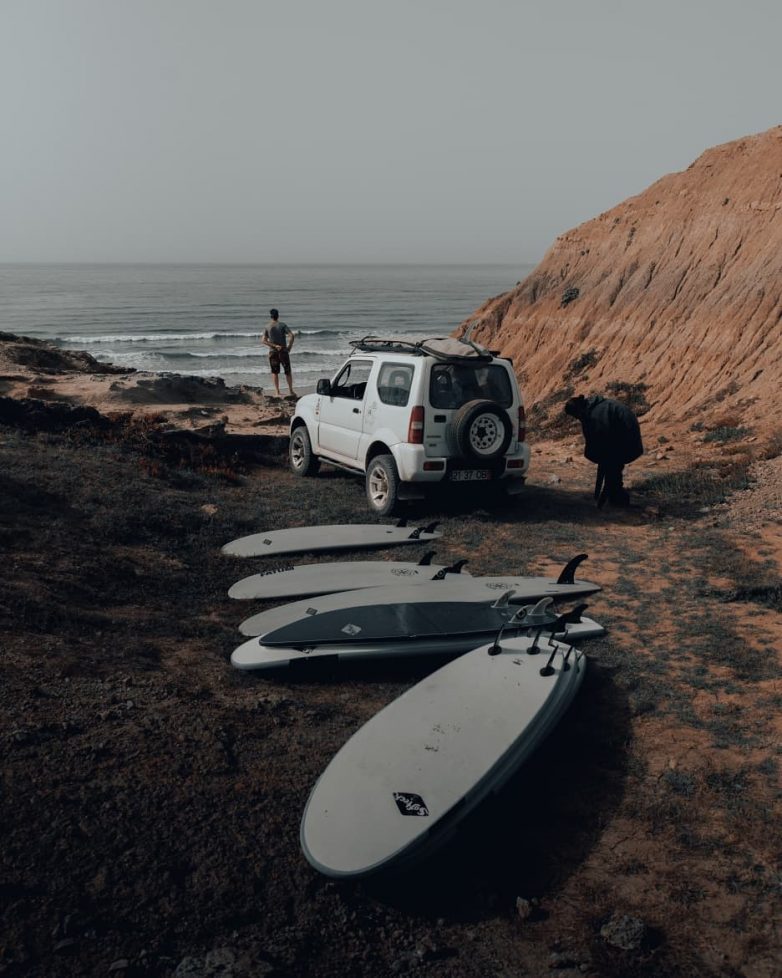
(279, 338)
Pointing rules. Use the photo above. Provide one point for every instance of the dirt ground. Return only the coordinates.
(151, 795)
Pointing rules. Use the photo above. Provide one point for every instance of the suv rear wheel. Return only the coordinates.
(482, 430)
(300, 456)
(382, 485)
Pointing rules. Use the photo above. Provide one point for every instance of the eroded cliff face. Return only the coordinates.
(679, 289)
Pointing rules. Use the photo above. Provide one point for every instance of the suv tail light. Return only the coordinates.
(522, 423)
(415, 430)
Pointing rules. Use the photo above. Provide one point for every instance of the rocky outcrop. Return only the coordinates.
(44, 358)
(674, 296)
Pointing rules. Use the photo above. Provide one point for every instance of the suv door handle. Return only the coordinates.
(356, 411)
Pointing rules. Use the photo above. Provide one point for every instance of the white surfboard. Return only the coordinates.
(300, 539)
(287, 581)
(254, 655)
(404, 610)
(400, 785)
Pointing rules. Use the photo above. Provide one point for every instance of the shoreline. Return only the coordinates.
(40, 370)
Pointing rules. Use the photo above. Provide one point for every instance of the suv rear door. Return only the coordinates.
(453, 384)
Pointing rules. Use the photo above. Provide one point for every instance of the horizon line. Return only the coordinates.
(269, 264)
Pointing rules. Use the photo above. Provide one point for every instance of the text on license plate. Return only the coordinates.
(471, 475)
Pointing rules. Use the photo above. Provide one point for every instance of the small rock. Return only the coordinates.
(221, 957)
(553, 480)
(66, 946)
(218, 963)
(624, 932)
(209, 508)
(560, 960)
(523, 908)
(660, 456)
(121, 964)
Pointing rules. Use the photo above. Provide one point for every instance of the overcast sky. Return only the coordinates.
(358, 130)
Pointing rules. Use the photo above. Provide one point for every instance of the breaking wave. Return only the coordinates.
(186, 337)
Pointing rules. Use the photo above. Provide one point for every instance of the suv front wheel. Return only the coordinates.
(382, 485)
(300, 455)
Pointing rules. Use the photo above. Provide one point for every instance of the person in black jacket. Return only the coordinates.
(613, 439)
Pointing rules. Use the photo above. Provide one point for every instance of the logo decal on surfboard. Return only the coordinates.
(312, 611)
(351, 629)
(277, 569)
(267, 541)
(410, 804)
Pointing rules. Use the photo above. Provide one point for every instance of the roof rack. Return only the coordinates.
(440, 347)
(373, 344)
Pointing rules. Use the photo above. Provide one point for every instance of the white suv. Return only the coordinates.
(411, 414)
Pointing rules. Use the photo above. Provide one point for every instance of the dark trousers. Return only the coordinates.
(609, 485)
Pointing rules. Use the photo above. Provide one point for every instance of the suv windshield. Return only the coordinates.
(453, 384)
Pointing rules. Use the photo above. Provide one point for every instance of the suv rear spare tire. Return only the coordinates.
(382, 485)
(482, 430)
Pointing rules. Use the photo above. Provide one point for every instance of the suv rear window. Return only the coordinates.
(454, 384)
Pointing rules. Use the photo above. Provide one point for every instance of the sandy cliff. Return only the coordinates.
(679, 289)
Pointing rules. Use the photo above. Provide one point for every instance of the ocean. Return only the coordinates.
(206, 320)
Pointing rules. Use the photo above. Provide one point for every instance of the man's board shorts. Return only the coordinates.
(277, 358)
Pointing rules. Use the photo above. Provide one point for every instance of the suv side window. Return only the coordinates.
(394, 382)
(453, 384)
(352, 380)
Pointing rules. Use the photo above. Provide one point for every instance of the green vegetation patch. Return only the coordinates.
(726, 433)
(633, 395)
(688, 492)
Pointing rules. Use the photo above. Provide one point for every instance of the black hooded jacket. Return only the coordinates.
(611, 432)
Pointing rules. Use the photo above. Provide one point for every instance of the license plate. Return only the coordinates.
(471, 475)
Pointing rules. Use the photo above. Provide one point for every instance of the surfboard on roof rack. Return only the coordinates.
(441, 347)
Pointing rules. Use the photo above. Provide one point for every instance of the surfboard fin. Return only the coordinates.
(426, 559)
(566, 664)
(548, 669)
(453, 569)
(535, 615)
(572, 617)
(569, 570)
(495, 648)
(503, 599)
(415, 535)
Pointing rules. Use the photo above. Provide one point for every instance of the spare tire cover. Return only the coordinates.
(482, 430)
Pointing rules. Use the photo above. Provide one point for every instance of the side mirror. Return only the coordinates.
(324, 387)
